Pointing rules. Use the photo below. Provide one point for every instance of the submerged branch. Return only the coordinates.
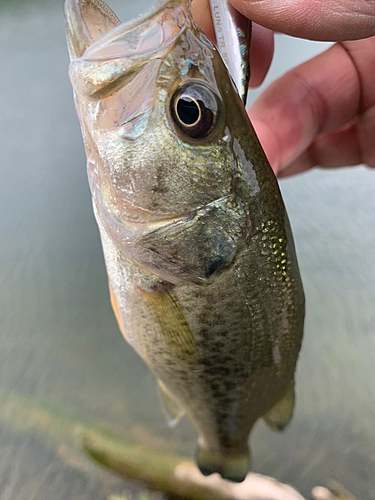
(175, 477)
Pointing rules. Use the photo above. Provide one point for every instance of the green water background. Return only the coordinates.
(60, 349)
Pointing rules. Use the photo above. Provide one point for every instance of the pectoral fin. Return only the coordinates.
(173, 410)
(171, 325)
(279, 416)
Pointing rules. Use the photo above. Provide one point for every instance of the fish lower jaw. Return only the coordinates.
(233, 467)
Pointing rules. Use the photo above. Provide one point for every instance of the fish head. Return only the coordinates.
(157, 110)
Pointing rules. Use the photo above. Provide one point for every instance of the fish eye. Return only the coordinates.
(194, 110)
(188, 111)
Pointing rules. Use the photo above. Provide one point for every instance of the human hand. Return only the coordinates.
(323, 111)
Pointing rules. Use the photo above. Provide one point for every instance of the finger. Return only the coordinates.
(337, 149)
(353, 145)
(317, 97)
(262, 43)
(362, 54)
(329, 20)
(262, 47)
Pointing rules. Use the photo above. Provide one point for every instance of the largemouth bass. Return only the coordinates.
(202, 269)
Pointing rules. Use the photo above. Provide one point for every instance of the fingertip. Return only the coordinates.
(201, 12)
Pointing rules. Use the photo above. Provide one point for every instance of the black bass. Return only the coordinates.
(200, 257)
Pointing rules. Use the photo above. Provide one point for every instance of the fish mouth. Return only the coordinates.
(150, 32)
(101, 63)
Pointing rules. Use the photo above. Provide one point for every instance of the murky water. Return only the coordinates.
(62, 359)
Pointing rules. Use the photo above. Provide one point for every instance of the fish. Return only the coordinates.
(203, 275)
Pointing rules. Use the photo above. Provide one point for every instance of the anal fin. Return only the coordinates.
(173, 410)
(279, 416)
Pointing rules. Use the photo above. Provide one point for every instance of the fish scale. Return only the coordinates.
(200, 258)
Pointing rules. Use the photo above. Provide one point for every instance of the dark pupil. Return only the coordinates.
(187, 110)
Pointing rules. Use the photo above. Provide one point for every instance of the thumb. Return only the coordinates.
(328, 20)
